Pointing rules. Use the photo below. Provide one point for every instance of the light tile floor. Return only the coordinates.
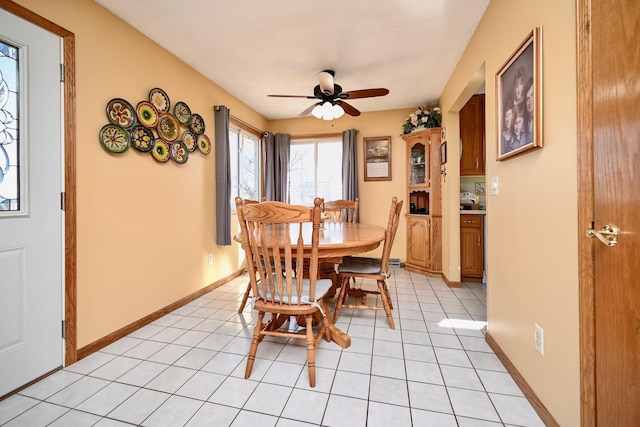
(187, 369)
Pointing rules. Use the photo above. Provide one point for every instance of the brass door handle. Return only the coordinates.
(608, 235)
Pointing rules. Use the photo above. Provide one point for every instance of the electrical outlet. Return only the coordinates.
(538, 337)
(210, 259)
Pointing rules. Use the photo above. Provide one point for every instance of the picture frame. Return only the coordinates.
(519, 99)
(377, 158)
(443, 153)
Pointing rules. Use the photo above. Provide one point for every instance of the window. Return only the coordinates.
(11, 184)
(315, 170)
(244, 152)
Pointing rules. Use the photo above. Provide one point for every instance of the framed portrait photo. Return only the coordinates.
(377, 158)
(519, 99)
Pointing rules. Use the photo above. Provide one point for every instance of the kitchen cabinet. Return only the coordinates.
(424, 207)
(472, 137)
(471, 246)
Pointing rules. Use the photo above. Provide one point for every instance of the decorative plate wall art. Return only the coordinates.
(182, 113)
(159, 99)
(161, 151)
(179, 152)
(154, 126)
(121, 113)
(142, 139)
(147, 114)
(204, 145)
(114, 138)
(168, 127)
(190, 140)
(197, 124)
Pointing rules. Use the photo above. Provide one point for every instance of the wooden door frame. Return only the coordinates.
(68, 38)
(586, 250)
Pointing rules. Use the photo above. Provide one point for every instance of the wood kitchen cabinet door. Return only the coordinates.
(472, 136)
(471, 246)
(418, 242)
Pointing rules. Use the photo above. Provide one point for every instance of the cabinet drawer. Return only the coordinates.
(473, 221)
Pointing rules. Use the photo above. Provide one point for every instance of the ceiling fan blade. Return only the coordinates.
(364, 93)
(292, 96)
(349, 109)
(308, 110)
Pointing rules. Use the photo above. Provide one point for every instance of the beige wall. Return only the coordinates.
(144, 229)
(532, 224)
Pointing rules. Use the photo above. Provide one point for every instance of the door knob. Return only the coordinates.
(608, 235)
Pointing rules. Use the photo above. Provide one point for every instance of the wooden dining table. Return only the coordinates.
(337, 240)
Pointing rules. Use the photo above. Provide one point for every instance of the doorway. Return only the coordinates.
(66, 200)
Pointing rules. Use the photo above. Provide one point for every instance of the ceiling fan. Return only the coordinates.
(332, 102)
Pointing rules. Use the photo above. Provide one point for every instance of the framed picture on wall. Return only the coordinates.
(443, 153)
(377, 158)
(519, 99)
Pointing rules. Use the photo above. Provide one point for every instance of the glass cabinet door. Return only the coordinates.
(419, 164)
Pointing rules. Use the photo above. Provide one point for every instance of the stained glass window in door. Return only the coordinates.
(9, 137)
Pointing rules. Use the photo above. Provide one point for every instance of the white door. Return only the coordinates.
(31, 219)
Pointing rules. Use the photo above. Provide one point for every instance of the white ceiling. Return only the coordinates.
(253, 48)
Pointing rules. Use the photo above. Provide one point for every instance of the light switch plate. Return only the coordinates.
(494, 186)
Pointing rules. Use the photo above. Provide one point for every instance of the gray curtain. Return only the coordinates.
(349, 165)
(276, 168)
(223, 176)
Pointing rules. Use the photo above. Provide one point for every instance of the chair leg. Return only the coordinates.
(245, 298)
(388, 295)
(254, 345)
(311, 351)
(341, 297)
(385, 302)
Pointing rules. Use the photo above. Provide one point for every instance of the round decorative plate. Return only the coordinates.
(182, 113)
(121, 113)
(161, 151)
(147, 114)
(204, 145)
(159, 99)
(179, 152)
(114, 138)
(142, 138)
(197, 124)
(189, 140)
(168, 127)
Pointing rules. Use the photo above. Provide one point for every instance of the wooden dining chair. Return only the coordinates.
(340, 210)
(370, 268)
(272, 236)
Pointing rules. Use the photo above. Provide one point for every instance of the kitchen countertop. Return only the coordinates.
(472, 212)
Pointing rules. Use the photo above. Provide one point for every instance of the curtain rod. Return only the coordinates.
(319, 135)
(246, 124)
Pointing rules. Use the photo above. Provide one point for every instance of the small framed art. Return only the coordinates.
(377, 158)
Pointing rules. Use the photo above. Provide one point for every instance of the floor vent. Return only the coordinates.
(394, 263)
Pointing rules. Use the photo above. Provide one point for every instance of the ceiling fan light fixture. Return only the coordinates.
(338, 111)
(317, 111)
(327, 111)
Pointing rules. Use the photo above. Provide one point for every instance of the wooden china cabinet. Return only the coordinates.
(424, 213)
